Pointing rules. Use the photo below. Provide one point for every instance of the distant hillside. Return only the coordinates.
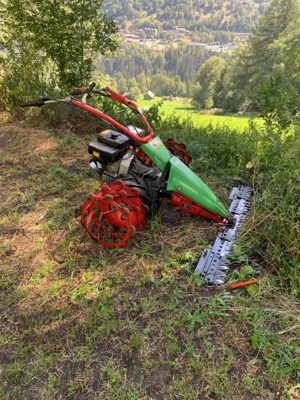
(197, 16)
(176, 37)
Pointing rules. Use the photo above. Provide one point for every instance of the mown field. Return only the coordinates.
(184, 110)
(82, 322)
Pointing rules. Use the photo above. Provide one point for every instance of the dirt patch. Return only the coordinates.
(158, 382)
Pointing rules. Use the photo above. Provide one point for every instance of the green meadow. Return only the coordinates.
(184, 110)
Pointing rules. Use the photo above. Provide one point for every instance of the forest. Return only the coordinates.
(81, 321)
(195, 15)
(169, 72)
(260, 75)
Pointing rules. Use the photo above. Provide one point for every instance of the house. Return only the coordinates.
(149, 95)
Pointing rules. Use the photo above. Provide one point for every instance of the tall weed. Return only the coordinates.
(276, 232)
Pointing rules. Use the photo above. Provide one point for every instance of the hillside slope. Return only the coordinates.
(82, 322)
(195, 15)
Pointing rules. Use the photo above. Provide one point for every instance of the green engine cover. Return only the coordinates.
(158, 153)
(185, 182)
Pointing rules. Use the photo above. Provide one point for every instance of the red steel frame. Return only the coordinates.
(120, 99)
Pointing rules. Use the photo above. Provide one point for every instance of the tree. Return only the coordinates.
(164, 85)
(259, 60)
(159, 85)
(134, 93)
(144, 82)
(279, 99)
(122, 83)
(69, 33)
(210, 73)
(279, 15)
(289, 54)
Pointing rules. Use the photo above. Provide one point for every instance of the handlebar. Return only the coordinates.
(90, 88)
(119, 98)
(82, 90)
(107, 92)
(34, 103)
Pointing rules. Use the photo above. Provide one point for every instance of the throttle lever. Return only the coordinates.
(90, 88)
(88, 92)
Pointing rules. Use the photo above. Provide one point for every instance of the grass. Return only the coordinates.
(185, 111)
(79, 321)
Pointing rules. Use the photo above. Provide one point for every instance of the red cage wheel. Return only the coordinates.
(176, 149)
(114, 214)
(179, 150)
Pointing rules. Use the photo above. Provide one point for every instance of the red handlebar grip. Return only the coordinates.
(120, 98)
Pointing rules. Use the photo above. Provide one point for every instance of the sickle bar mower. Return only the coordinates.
(141, 170)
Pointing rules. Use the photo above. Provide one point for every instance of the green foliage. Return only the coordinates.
(207, 19)
(265, 57)
(209, 79)
(134, 91)
(70, 35)
(154, 115)
(276, 237)
(268, 157)
(17, 80)
(277, 105)
(134, 60)
(59, 41)
(264, 67)
(165, 85)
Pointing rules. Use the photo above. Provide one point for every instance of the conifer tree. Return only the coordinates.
(259, 59)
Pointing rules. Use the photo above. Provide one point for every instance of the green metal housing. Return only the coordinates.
(184, 181)
(158, 153)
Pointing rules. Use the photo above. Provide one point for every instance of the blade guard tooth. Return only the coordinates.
(218, 282)
(223, 268)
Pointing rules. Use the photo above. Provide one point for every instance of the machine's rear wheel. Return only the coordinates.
(179, 150)
(114, 214)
